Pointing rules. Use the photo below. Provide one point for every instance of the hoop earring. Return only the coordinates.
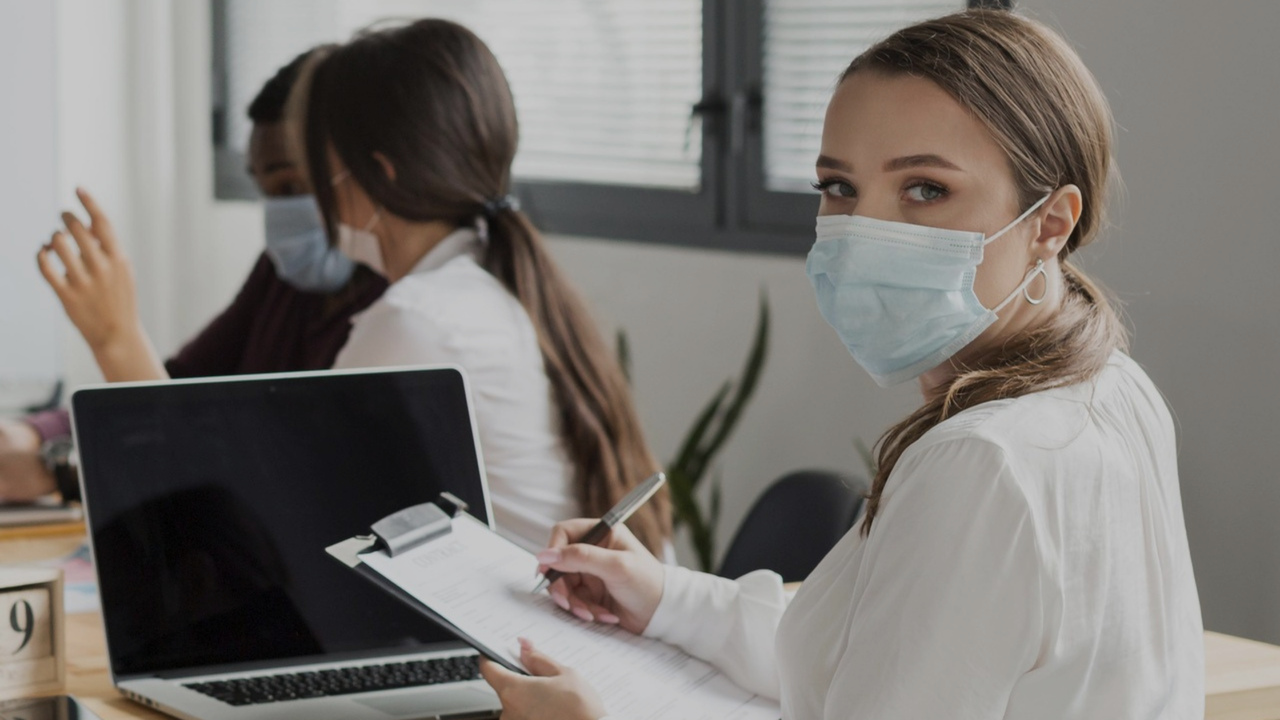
(1026, 291)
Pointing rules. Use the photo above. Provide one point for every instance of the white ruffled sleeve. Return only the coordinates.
(728, 623)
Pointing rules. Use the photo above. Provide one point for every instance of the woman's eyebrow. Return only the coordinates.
(901, 163)
(915, 161)
(826, 161)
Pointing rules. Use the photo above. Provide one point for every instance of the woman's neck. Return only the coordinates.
(405, 243)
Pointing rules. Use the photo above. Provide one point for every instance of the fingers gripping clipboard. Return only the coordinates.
(453, 569)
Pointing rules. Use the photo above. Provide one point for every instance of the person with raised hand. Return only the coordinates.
(292, 312)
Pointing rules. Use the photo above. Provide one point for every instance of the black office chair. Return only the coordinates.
(795, 524)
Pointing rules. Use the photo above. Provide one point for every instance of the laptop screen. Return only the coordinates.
(211, 503)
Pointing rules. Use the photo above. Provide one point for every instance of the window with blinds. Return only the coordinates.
(684, 122)
(603, 88)
(807, 44)
(260, 38)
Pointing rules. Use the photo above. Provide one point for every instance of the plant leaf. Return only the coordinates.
(713, 521)
(713, 513)
(690, 447)
(703, 544)
(623, 345)
(745, 387)
(683, 502)
(710, 431)
(868, 458)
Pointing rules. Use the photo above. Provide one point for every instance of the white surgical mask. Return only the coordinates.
(362, 246)
(900, 296)
(299, 248)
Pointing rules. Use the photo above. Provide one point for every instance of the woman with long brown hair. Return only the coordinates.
(408, 135)
(1023, 552)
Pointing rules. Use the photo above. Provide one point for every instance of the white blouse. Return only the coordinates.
(448, 309)
(1029, 561)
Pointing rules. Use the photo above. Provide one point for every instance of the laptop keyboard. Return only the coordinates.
(340, 681)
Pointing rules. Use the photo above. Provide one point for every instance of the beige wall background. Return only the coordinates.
(1194, 256)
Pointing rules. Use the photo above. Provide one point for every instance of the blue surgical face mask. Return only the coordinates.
(300, 249)
(900, 296)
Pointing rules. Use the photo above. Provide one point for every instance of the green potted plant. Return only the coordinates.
(710, 431)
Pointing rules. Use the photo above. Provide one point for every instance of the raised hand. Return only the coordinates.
(95, 285)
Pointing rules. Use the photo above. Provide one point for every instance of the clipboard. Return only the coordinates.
(400, 532)
(456, 571)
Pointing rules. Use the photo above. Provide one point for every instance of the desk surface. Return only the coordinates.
(88, 674)
(1242, 679)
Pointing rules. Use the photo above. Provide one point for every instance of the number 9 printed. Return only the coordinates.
(25, 625)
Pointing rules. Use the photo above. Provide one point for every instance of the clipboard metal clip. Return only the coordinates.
(408, 528)
(403, 530)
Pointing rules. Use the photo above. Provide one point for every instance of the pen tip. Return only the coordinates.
(541, 584)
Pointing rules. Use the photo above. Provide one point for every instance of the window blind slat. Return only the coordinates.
(807, 44)
(603, 88)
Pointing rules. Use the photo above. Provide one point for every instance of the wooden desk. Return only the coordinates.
(89, 675)
(1242, 676)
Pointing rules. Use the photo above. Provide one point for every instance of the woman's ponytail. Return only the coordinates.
(598, 421)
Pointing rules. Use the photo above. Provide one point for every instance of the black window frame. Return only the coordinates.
(731, 210)
(775, 213)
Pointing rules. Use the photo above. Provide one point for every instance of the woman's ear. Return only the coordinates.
(387, 167)
(1061, 213)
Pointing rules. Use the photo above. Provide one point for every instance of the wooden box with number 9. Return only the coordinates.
(31, 632)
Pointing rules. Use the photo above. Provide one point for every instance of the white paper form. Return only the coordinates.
(483, 584)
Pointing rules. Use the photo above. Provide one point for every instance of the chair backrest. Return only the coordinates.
(795, 524)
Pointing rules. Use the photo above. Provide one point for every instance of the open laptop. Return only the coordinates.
(210, 504)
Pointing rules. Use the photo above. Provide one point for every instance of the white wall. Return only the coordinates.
(1194, 257)
(94, 149)
(30, 325)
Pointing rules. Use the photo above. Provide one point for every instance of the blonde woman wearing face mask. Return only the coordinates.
(1023, 553)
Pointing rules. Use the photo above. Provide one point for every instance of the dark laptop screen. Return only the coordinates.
(211, 505)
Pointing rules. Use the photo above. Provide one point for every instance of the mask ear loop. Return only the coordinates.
(1020, 218)
(341, 177)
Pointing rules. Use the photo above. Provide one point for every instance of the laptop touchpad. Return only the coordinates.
(430, 703)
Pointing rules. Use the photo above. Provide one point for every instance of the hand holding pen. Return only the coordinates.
(618, 582)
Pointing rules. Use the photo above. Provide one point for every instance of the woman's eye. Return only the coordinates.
(925, 192)
(835, 189)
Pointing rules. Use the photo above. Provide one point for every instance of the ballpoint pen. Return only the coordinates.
(617, 515)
